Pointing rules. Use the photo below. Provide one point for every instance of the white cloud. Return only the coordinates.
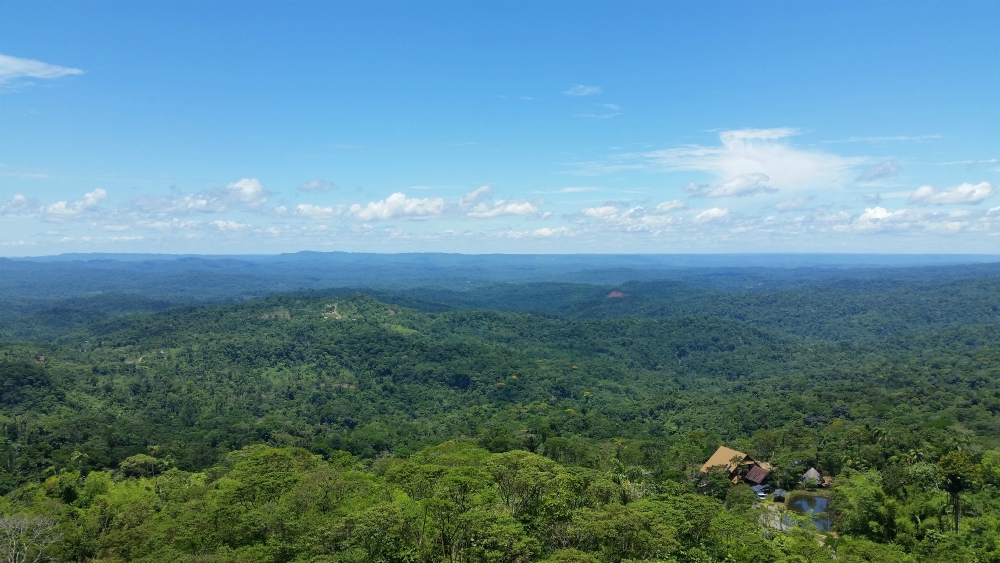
(747, 152)
(247, 194)
(230, 226)
(636, 218)
(876, 213)
(18, 205)
(502, 207)
(878, 172)
(740, 186)
(602, 212)
(582, 90)
(317, 185)
(478, 205)
(481, 193)
(12, 68)
(63, 210)
(311, 211)
(672, 205)
(791, 204)
(964, 193)
(398, 205)
(880, 218)
(711, 215)
(248, 191)
(173, 224)
(551, 232)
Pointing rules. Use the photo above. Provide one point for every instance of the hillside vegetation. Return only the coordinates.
(347, 428)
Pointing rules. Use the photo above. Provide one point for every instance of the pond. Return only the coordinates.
(815, 509)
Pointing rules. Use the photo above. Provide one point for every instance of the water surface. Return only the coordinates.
(815, 508)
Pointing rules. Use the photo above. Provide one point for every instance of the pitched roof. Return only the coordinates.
(722, 457)
(757, 474)
(812, 474)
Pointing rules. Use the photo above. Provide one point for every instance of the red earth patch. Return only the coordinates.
(617, 293)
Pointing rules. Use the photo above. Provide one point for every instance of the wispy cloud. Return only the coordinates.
(741, 186)
(598, 115)
(711, 215)
(748, 152)
(888, 139)
(970, 164)
(317, 185)
(878, 172)
(13, 68)
(791, 204)
(246, 193)
(964, 193)
(578, 90)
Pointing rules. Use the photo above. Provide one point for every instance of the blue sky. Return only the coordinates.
(260, 127)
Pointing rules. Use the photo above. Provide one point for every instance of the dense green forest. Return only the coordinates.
(508, 422)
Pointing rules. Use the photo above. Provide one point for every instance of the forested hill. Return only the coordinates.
(854, 308)
(367, 377)
(839, 309)
(93, 418)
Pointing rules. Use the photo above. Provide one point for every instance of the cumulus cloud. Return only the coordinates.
(479, 204)
(246, 194)
(741, 186)
(745, 153)
(878, 172)
(311, 211)
(637, 218)
(13, 68)
(578, 90)
(18, 205)
(964, 193)
(317, 185)
(248, 191)
(879, 218)
(230, 226)
(65, 210)
(551, 232)
(711, 215)
(601, 212)
(398, 205)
